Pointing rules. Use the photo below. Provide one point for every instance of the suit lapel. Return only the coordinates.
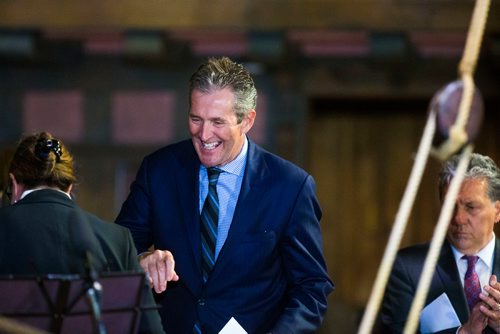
(253, 180)
(450, 279)
(448, 274)
(187, 189)
(496, 260)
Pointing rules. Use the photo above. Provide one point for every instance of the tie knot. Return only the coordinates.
(471, 260)
(213, 175)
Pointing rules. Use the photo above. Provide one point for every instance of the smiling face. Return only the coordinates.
(216, 134)
(471, 226)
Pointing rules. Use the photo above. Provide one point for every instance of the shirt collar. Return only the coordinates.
(29, 191)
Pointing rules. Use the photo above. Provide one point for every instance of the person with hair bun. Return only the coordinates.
(44, 231)
(39, 163)
(5, 157)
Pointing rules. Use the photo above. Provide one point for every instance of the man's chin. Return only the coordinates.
(463, 245)
(206, 157)
(208, 161)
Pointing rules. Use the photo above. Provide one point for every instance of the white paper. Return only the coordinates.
(438, 315)
(232, 327)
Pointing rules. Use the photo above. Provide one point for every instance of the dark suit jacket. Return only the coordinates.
(46, 233)
(404, 279)
(270, 273)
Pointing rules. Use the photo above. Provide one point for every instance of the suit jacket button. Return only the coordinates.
(201, 302)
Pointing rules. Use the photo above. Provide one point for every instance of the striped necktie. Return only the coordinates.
(209, 223)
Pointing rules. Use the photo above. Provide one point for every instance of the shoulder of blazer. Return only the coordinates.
(260, 160)
(414, 255)
(181, 154)
(420, 251)
(102, 225)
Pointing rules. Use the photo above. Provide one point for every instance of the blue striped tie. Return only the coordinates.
(209, 223)
(196, 328)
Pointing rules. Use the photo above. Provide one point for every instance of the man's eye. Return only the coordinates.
(195, 120)
(471, 207)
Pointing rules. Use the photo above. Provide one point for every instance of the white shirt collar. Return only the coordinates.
(485, 254)
(29, 191)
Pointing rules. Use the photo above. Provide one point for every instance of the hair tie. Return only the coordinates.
(44, 146)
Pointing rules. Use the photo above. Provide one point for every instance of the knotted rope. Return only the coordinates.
(457, 139)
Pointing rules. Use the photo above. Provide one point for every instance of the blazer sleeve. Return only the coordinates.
(400, 292)
(136, 210)
(150, 319)
(302, 254)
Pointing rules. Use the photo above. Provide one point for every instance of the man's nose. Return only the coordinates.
(459, 216)
(205, 131)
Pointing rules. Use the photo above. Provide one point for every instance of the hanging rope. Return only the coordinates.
(457, 134)
(399, 226)
(14, 327)
(457, 139)
(436, 243)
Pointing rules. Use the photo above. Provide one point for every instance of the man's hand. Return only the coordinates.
(491, 303)
(476, 323)
(159, 266)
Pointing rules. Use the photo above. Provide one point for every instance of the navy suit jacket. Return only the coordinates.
(47, 233)
(270, 273)
(404, 280)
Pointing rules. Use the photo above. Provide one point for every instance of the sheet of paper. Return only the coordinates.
(438, 315)
(232, 327)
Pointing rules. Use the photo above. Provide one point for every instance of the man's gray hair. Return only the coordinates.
(480, 166)
(220, 73)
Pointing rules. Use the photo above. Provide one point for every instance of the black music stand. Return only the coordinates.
(58, 304)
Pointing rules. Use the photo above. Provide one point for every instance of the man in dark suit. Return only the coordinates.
(267, 267)
(469, 260)
(45, 232)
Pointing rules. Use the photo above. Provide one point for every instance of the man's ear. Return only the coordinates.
(497, 214)
(248, 121)
(16, 188)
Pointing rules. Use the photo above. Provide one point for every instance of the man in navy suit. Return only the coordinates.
(470, 233)
(269, 272)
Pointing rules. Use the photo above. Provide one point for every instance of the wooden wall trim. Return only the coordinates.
(262, 14)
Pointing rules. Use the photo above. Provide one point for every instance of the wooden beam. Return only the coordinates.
(254, 14)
